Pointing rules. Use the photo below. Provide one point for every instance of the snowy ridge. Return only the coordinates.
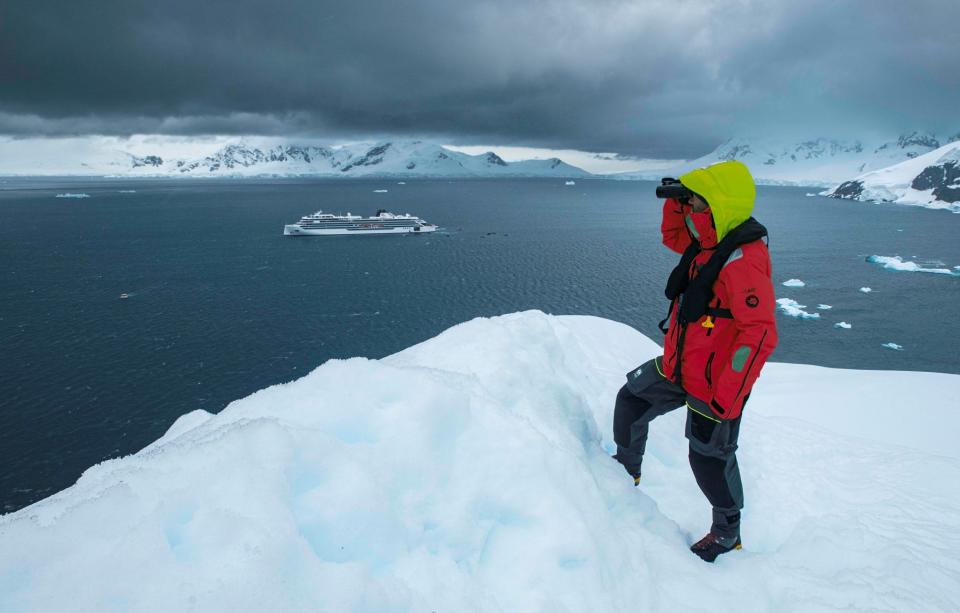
(252, 159)
(471, 473)
(817, 161)
(931, 180)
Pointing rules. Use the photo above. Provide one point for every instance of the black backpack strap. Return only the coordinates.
(666, 320)
(715, 312)
(680, 276)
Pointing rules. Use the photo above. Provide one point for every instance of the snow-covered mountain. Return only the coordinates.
(245, 159)
(930, 180)
(472, 472)
(816, 162)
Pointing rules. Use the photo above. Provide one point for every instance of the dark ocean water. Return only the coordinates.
(222, 305)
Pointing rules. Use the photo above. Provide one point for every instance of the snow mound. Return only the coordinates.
(793, 308)
(472, 473)
(794, 283)
(896, 263)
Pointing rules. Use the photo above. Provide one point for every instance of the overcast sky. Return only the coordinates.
(668, 79)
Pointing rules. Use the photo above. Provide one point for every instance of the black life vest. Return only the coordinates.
(695, 295)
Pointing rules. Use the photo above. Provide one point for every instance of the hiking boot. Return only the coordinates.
(712, 545)
(635, 475)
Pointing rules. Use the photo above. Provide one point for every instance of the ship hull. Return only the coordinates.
(296, 230)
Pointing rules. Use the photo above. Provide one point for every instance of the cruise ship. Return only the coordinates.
(383, 222)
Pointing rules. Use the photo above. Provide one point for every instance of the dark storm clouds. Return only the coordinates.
(648, 78)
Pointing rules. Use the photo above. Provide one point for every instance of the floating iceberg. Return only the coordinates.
(570, 183)
(893, 346)
(842, 324)
(472, 473)
(794, 283)
(794, 309)
(126, 191)
(865, 290)
(70, 195)
(824, 307)
(380, 191)
(896, 262)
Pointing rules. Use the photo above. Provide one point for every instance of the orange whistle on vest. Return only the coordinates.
(708, 322)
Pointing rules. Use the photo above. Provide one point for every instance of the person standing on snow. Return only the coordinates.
(721, 331)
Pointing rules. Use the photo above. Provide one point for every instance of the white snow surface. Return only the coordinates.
(794, 283)
(895, 262)
(472, 473)
(791, 307)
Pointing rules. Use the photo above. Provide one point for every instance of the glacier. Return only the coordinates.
(931, 180)
(819, 161)
(472, 472)
(247, 157)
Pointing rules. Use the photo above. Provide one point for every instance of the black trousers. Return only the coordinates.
(713, 443)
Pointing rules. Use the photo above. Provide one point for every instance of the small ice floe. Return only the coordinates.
(811, 194)
(124, 296)
(127, 191)
(793, 283)
(794, 309)
(893, 346)
(824, 307)
(570, 183)
(865, 290)
(69, 195)
(401, 182)
(895, 262)
(379, 191)
(843, 324)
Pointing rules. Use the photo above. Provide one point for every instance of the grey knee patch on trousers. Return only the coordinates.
(714, 439)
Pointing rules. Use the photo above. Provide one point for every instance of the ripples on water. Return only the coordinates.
(221, 305)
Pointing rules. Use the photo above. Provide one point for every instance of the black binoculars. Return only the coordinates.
(672, 188)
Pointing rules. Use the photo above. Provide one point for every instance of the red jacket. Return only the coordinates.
(719, 364)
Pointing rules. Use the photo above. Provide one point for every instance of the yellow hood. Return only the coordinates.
(729, 190)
